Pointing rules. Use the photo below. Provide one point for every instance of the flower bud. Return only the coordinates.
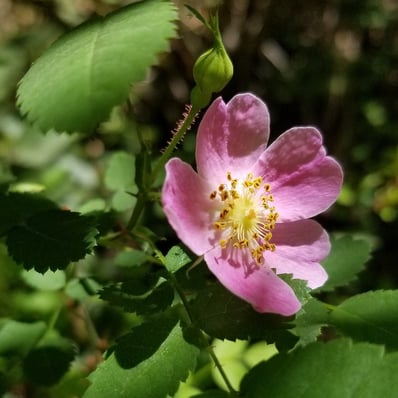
(212, 71)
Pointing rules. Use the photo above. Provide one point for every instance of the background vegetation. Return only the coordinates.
(330, 63)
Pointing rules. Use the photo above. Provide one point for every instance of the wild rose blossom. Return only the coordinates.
(247, 207)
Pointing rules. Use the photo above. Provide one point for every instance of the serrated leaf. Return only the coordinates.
(223, 315)
(309, 321)
(46, 365)
(20, 337)
(51, 240)
(334, 370)
(143, 340)
(50, 280)
(155, 377)
(176, 258)
(347, 258)
(18, 207)
(371, 316)
(75, 84)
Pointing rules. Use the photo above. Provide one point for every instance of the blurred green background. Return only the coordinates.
(332, 64)
(329, 63)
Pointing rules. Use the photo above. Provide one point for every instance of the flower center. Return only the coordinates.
(246, 216)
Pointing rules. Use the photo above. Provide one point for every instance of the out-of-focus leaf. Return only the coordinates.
(75, 84)
(50, 280)
(45, 365)
(159, 299)
(20, 337)
(119, 177)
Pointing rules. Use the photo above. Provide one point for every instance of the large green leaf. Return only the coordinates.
(333, 370)
(74, 85)
(155, 377)
(371, 316)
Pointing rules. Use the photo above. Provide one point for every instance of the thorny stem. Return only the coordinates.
(179, 133)
(177, 137)
(209, 348)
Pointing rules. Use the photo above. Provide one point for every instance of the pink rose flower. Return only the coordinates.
(247, 207)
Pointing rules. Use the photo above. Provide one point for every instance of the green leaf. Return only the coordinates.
(155, 377)
(51, 240)
(16, 208)
(144, 340)
(334, 370)
(176, 258)
(119, 177)
(20, 337)
(371, 316)
(309, 321)
(75, 84)
(46, 365)
(131, 258)
(213, 394)
(120, 172)
(50, 280)
(225, 316)
(347, 258)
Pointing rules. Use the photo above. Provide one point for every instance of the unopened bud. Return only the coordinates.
(212, 71)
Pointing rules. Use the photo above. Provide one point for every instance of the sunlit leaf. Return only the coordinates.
(176, 258)
(334, 370)
(50, 280)
(371, 316)
(155, 377)
(75, 84)
(143, 340)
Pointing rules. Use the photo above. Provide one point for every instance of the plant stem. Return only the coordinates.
(179, 133)
(209, 348)
(177, 137)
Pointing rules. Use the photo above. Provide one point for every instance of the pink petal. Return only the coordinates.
(258, 285)
(231, 137)
(304, 181)
(300, 246)
(187, 205)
